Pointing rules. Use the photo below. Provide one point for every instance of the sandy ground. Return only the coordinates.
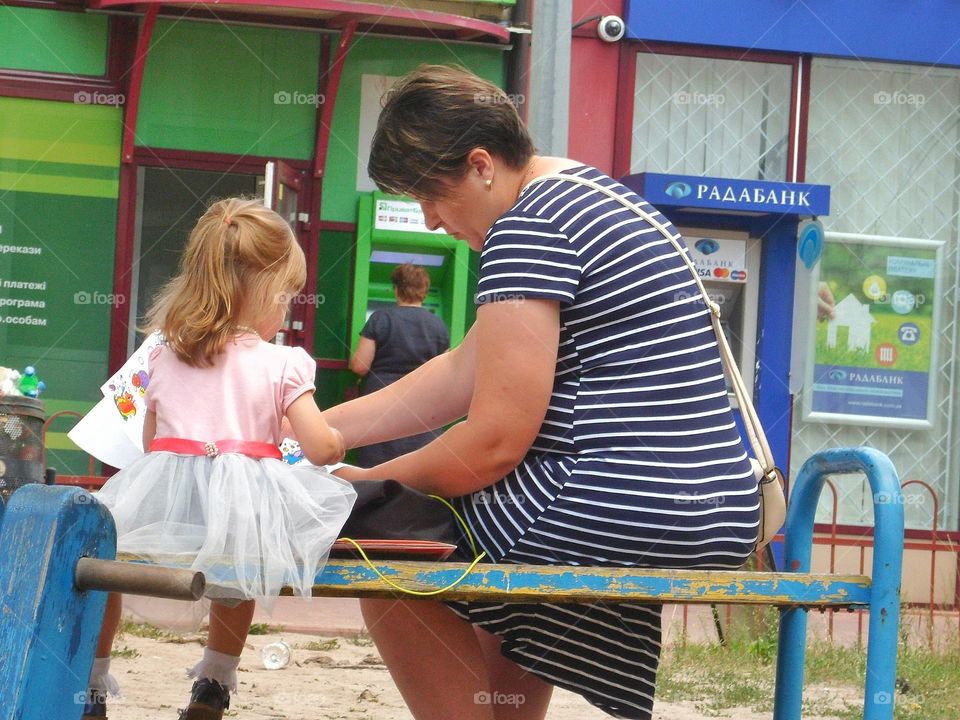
(345, 680)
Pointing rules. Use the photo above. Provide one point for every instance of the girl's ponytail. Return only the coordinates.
(240, 257)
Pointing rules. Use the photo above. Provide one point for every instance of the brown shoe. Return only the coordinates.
(94, 705)
(208, 700)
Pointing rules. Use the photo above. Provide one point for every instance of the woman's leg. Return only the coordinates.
(516, 694)
(229, 627)
(433, 656)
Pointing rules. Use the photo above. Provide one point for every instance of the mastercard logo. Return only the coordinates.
(721, 272)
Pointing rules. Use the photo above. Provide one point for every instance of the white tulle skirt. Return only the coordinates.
(251, 526)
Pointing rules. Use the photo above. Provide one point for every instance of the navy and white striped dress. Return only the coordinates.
(638, 462)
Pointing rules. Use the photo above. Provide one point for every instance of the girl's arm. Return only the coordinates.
(362, 359)
(436, 393)
(516, 356)
(149, 429)
(320, 443)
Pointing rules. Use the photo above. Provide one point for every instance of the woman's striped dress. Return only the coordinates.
(638, 462)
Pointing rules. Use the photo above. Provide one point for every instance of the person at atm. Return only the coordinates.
(591, 421)
(395, 341)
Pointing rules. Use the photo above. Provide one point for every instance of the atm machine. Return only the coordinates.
(391, 231)
(753, 243)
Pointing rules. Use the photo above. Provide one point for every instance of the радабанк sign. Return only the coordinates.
(763, 196)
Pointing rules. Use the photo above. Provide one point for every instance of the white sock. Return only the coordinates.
(101, 679)
(217, 666)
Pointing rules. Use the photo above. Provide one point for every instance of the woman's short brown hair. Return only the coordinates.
(430, 122)
(411, 283)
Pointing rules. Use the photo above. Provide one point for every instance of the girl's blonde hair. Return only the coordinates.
(240, 258)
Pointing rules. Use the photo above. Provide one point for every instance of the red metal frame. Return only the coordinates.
(43, 5)
(628, 71)
(147, 156)
(332, 86)
(63, 87)
(291, 177)
(127, 210)
(123, 264)
(358, 12)
(329, 86)
(127, 194)
(337, 226)
(132, 108)
(623, 128)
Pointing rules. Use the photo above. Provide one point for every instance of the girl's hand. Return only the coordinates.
(321, 444)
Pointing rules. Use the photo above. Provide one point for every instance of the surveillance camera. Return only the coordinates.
(611, 28)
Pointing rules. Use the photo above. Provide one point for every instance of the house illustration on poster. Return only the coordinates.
(856, 317)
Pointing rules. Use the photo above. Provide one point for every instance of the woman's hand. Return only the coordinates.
(433, 395)
(516, 357)
(351, 473)
(341, 447)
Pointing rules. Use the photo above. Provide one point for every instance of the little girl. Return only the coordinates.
(213, 490)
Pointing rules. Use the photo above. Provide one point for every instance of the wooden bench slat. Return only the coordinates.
(591, 584)
(520, 583)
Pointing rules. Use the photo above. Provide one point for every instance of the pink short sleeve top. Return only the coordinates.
(242, 396)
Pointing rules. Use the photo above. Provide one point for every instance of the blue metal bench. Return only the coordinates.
(48, 628)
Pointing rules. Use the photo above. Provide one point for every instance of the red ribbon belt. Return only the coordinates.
(249, 448)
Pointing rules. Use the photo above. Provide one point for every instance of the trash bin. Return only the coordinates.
(21, 443)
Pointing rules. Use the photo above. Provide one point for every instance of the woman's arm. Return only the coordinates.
(516, 356)
(436, 393)
(362, 359)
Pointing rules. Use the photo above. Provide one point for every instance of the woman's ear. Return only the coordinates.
(481, 162)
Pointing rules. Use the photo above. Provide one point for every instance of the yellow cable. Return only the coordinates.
(426, 593)
(421, 593)
(463, 523)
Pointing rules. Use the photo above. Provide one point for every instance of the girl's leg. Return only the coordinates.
(433, 656)
(229, 627)
(101, 682)
(111, 621)
(216, 673)
(515, 693)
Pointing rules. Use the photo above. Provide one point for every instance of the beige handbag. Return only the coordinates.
(773, 506)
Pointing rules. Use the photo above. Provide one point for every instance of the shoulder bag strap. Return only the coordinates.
(755, 434)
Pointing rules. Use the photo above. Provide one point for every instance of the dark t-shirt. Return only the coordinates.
(406, 337)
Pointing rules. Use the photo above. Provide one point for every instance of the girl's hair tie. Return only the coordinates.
(228, 221)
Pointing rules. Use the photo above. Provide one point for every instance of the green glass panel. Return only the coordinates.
(384, 56)
(53, 41)
(58, 181)
(332, 386)
(334, 282)
(230, 89)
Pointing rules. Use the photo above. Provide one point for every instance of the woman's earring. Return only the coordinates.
(489, 183)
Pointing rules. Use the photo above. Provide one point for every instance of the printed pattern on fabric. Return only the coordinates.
(638, 462)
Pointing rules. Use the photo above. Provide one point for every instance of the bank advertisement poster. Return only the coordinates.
(873, 342)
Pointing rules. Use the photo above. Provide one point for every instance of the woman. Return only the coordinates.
(597, 428)
(395, 341)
